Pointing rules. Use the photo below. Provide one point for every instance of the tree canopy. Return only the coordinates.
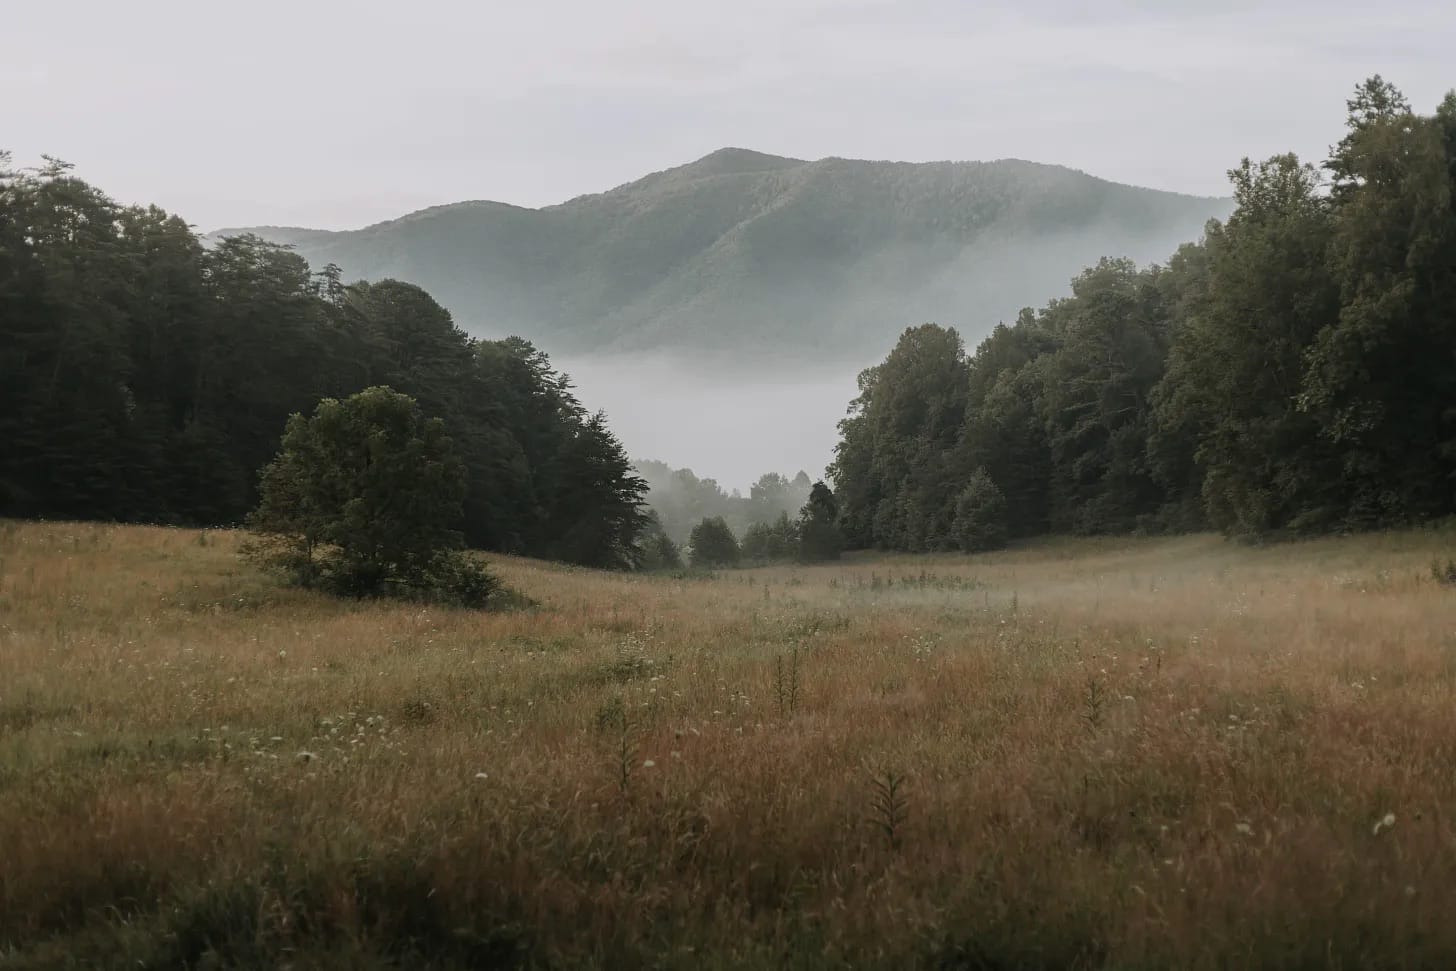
(713, 544)
(364, 498)
(147, 377)
(1293, 371)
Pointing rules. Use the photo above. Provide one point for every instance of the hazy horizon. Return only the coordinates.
(730, 428)
(534, 106)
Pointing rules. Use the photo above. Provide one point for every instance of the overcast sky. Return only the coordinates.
(338, 114)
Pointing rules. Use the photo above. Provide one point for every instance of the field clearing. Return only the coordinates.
(1129, 753)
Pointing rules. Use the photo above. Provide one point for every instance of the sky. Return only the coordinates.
(339, 114)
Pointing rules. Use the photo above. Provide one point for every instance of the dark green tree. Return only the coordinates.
(1381, 378)
(1004, 431)
(595, 499)
(1238, 358)
(1113, 339)
(364, 498)
(893, 466)
(820, 537)
(713, 545)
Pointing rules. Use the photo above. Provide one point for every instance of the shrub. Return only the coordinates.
(456, 579)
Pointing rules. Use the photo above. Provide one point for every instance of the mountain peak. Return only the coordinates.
(731, 161)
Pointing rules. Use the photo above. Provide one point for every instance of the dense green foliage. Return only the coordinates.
(713, 544)
(772, 542)
(364, 498)
(979, 522)
(820, 537)
(681, 500)
(741, 250)
(145, 377)
(1294, 371)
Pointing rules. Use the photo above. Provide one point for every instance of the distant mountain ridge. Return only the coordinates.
(740, 253)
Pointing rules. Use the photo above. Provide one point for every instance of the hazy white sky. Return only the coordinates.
(336, 114)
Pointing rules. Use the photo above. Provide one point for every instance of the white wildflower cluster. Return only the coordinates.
(337, 740)
(922, 645)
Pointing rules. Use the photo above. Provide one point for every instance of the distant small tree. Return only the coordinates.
(820, 537)
(980, 514)
(655, 549)
(713, 544)
(363, 499)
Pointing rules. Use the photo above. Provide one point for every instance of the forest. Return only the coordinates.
(145, 377)
(1293, 372)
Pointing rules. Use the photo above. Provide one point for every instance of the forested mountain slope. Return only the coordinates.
(744, 252)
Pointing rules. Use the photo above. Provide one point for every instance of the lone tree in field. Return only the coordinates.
(363, 499)
(819, 535)
(713, 544)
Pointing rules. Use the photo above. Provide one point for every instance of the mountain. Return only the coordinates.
(743, 254)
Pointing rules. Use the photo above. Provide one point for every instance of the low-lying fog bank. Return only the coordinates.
(732, 427)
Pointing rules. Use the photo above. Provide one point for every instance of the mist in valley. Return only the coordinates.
(723, 422)
(763, 401)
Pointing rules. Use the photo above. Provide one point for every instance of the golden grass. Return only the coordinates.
(1117, 753)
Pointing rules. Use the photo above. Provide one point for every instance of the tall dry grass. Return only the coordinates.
(1130, 754)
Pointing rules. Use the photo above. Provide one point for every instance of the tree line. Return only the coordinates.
(1292, 372)
(147, 377)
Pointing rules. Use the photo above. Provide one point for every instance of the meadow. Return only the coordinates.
(1115, 753)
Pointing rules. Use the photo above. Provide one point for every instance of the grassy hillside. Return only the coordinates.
(1131, 754)
(760, 256)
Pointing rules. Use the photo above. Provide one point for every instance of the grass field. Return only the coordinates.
(1119, 753)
